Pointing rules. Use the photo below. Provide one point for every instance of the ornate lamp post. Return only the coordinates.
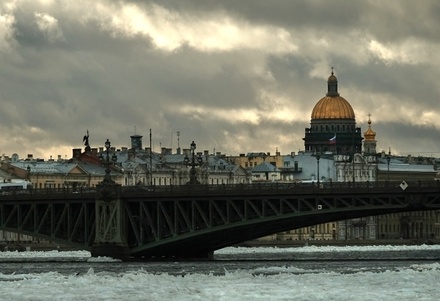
(193, 164)
(110, 228)
(388, 163)
(107, 163)
(318, 156)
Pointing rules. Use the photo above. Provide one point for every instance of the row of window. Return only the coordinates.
(333, 128)
(396, 228)
(250, 164)
(321, 228)
(424, 214)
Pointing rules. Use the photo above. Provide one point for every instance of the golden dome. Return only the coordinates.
(369, 134)
(333, 106)
(332, 78)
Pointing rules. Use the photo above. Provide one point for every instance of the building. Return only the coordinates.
(265, 172)
(336, 142)
(333, 124)
(420, 225)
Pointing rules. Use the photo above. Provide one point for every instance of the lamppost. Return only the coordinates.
(151, 160)
(28, 173)
(388, 163)
(110, 221)
(353, 170)
(193, 164)
(107, 163)
(318, 156)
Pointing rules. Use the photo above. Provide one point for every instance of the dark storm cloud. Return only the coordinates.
(235, 76)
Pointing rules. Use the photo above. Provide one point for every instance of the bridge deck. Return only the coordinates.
(197, 219)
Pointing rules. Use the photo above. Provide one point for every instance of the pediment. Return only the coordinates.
(77, 170)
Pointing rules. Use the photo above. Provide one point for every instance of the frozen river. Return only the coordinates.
(306, 273)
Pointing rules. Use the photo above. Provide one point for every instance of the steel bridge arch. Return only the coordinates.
(195, 221)
(233, 218)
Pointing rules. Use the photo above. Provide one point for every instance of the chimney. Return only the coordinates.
(136, 142)
(76, 152)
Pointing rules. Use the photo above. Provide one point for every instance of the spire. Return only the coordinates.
(332, 84)
(369, 134)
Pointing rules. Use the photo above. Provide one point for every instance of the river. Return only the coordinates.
(258, 260)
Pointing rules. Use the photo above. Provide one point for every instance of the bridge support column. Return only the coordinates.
(110, 232)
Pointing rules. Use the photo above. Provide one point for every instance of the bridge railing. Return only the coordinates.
(48, 193)
(257, 188)
(281, 188)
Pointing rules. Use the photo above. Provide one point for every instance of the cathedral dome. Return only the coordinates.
(333, 106)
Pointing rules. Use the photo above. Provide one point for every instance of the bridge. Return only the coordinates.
(192, 221)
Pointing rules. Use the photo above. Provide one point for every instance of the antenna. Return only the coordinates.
(178, 139)
(151, 162)
(171, 140)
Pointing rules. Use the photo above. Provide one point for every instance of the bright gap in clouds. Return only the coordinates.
(411, 51)
(252, 116)
(49, 26)
(170, 30)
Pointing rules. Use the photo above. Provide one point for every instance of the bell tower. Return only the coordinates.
(369, 139)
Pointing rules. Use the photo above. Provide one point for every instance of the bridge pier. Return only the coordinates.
(209, 255)
(110, 250)
(110, 231)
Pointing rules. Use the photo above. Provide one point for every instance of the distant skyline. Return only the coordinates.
(234, 76)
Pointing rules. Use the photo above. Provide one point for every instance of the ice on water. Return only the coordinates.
(281, 283)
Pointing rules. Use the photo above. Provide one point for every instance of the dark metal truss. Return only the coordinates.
(197, 220)
(161, 226)
(67, 221)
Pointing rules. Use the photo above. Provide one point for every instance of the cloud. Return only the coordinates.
(49, 26)
(236, 76)
(6, 28)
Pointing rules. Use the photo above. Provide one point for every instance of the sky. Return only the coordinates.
(272, 282)
(233, 76)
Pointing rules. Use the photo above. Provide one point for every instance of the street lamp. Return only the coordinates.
(193, 164)
(318, 156)
(388, 162)
(107, 163)
(28, 173)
